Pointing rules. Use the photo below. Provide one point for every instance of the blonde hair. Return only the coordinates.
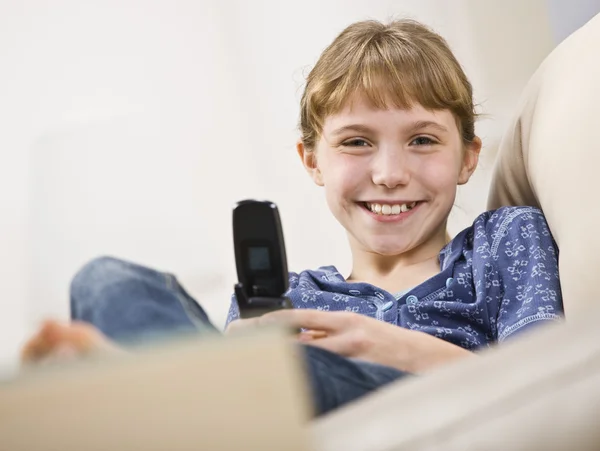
(398, 64)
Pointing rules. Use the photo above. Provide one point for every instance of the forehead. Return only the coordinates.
(358, 110)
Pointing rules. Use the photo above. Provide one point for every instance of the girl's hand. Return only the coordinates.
(358, 336)
(251, 323)
(241, 324)
(58, 342)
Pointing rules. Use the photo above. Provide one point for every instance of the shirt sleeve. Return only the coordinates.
(528, 266)
(234, 311)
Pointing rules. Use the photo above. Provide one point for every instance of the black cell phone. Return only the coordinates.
(260, 258)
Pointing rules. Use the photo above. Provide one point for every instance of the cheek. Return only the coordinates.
(440, 173)
(342, 175)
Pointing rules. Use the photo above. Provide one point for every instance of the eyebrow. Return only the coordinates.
(413, 128)
(420, 125)
(351, 128)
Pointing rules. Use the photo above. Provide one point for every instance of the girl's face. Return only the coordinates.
(390, 176)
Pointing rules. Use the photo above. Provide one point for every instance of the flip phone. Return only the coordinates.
(260, 258)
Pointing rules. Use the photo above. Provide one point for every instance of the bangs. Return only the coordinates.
(389, 69)
(396, 78)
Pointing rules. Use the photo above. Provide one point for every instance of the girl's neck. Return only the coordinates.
(398, 272)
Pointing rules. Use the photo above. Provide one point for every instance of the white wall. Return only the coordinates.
(131, 128)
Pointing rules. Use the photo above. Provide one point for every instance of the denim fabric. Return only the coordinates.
(128, 302)
(336, 380)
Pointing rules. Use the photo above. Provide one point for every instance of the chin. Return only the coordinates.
(387, 249)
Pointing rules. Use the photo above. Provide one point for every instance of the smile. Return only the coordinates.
(389, 209)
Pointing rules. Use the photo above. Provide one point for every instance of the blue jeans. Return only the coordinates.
(128, 302)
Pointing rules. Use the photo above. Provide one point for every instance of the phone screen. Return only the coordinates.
(259, 258)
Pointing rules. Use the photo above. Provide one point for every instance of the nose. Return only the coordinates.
(390, 167)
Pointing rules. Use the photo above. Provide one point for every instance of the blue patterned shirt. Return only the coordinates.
(497, 278)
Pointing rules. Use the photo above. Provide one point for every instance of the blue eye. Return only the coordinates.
(356, 142)
(422, 141)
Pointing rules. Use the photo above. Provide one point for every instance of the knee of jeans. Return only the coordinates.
(93, 277)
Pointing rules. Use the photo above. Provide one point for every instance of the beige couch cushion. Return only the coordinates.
(550, 158)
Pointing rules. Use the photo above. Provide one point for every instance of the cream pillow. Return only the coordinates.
(550, 158)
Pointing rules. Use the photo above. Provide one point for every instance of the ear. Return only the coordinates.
(470, 160)
(309, 160)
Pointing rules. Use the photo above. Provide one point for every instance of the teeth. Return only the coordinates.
(387, 209)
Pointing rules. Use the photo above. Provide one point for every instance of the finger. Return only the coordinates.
(308, 319)
(334, 343)
(307, 335)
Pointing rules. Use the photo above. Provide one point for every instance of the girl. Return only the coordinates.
(387, 129)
